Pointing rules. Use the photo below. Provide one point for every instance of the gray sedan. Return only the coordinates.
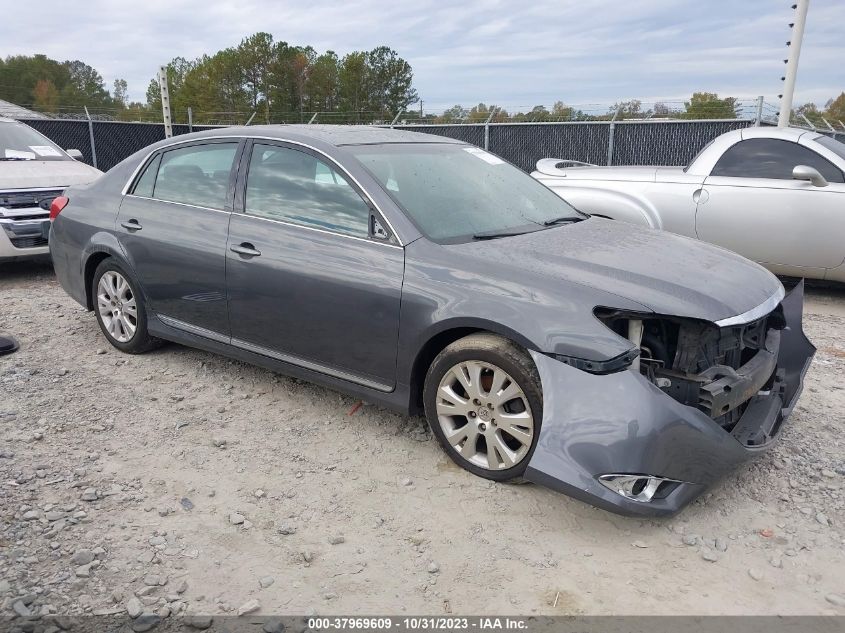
(624, 366)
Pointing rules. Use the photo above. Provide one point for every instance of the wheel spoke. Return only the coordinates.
(509, 393)
(505, 454)
(474, 369)
(110, 285)
(128, 327)
(470, 447)
(500, 378)
(516, 430)
(456, 436)
(460, 372)
(103, 304)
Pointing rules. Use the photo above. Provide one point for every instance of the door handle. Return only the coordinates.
(131, 225)
(246, 249)
(700, 196)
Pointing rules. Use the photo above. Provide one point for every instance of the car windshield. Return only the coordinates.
(21, 142)
(455, 193)
(832, 144)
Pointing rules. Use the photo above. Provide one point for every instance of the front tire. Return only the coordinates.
(484, 404)
(120, 309)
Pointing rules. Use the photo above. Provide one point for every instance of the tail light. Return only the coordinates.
(56, 206)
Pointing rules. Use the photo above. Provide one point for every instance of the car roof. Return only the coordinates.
(337, 135)
(783, 133)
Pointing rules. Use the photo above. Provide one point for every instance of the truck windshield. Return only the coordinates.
(456, 193)
(21, 142)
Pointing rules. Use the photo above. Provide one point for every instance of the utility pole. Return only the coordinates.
(165, 102)
(792, 62)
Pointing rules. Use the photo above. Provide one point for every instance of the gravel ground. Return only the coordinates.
(183, 482)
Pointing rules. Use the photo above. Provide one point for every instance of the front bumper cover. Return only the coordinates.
(622, 423)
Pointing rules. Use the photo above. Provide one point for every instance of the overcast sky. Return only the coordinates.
(514, 54)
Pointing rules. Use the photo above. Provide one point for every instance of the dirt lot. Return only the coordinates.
(182, 481)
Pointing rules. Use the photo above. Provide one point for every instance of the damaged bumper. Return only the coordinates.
(599, 430)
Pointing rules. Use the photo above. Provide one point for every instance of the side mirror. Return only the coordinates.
(803, 172)
(75, 154)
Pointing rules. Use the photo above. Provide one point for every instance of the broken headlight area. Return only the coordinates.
(716, 370)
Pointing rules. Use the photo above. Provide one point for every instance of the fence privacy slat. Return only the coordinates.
(634, 142)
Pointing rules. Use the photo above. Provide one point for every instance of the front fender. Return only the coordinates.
(626, 206)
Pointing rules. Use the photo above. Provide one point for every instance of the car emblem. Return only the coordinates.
(45, 203)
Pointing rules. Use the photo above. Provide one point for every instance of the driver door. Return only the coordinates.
(750, 204)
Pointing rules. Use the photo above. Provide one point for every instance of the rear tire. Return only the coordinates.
(120, 309)
(484, 404)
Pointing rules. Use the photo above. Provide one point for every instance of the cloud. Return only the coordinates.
(480, 50)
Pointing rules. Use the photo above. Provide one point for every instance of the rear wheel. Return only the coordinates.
(484, 404)
(120, 309)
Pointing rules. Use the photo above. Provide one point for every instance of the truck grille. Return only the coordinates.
(28, 242)
(27, 199)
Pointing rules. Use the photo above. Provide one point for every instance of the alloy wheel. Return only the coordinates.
(485, 415)
(117, 307)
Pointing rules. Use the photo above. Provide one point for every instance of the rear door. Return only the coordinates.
(312, 276)
(173, 227)
(752, 206)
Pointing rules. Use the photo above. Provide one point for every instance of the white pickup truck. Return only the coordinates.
(33, 171)
(774, 195)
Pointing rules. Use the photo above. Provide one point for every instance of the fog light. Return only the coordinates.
(642, 488)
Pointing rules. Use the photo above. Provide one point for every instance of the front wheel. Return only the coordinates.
(484, 404)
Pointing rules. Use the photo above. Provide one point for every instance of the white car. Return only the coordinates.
(774, 195)
(33, 171)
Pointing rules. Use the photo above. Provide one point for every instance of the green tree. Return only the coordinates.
(481, 112)
(562, 112)
(708, 105)
(809, 110)
(322, 83)
(255, 55)
(390, 81)
(20, 74)
(835, 108)
(455, 114)
(121, 88)
(353, 82)
(45, 96)
(85, 87)
(632, 109)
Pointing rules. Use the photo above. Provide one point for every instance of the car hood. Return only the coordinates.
(43, 174)
(666, 273)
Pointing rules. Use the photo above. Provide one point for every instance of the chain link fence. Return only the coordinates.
(104, 143)
(599, 143)
(637, 142)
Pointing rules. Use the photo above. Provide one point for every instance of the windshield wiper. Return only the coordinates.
(14, 158)
(564, 219)
(497, 234)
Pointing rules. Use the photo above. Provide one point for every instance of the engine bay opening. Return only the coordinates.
(717, 370)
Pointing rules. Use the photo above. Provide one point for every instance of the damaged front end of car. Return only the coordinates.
(646, 433)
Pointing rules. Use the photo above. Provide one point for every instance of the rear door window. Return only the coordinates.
(772, 158)
(197, 175)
